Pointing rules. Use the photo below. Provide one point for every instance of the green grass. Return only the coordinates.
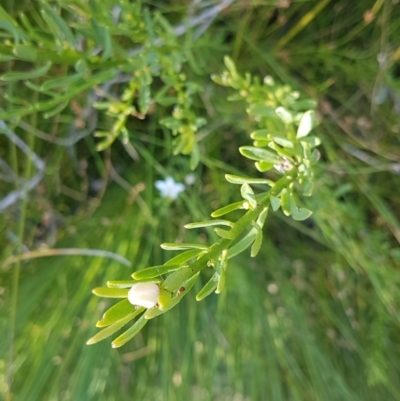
(313, 317)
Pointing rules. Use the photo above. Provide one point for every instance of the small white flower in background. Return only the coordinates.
(169, 188)
(190, 179)
(144, 294)
(273, 288)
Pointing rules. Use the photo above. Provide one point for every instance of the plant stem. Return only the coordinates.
(243, 222)
(15, 283)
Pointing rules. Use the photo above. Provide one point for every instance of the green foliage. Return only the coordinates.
(93, 49)
(312, 313)
(292, 159)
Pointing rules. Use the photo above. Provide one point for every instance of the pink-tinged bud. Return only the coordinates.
(144, 294)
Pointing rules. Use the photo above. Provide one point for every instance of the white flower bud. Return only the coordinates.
(144, 294)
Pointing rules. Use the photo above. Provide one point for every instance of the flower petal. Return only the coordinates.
(169, 188)
(144, 294)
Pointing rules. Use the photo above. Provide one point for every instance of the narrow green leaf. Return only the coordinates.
(261, 144)
(184, 257)
(230, 65)
(262, 167)
(105, 143)
(166, 101)
(314, 157)
(301, 214)
(110, 292)
(16, 112)
(101, 134)
(8, 24)
(223, 79)
(217, 267)
(308, 188)
(81, 66)
(281, 151)
(75, 90)
(164, 300)
(262, 134)
(129, 283)
(149, 25)
(115, 313)
(275, 203)
(26, 24)
(194, 157)
(286, 143)
(304, 104)
(285, 201)
(307, 166)
(107, 332)
(130, 333)
(296, 213)
(307, 123)
(224, 233)
(255, 248)
(248, 194)
(259, 154)
(221, 282)
(285, 115)
(144, 99)
(60, 82)
(313, 141)
(120, 283)
(20, 76)
(262, 216)
(154, 271)
(235, 179)
(57, 110)
(124, 283)
(227, 209)
(5, 59)
(106, 42)
(209, 223)
(172, 246)
(261, 110)
(223, 264)
(243, 244)
(14, 99)
(209, 287)
(24, 52)
(268, 135)
(154, 312)
(58, 25)
(36, 88)
(165, 24)
(175, 280)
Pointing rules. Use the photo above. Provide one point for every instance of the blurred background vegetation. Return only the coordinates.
(315, 316)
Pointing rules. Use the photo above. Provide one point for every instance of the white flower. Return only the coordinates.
(190, 179)
(144, 294)
(169, 188)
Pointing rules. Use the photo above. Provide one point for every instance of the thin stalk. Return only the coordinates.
(14, 165)
(68, 252)
(15, 280)
(10, 89)
(307, 18)
(12, 149)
